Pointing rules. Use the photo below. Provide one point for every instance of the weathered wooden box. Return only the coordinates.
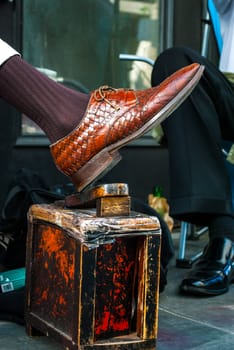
(92, 282)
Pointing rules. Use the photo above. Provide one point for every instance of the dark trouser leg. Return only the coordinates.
(200, 184)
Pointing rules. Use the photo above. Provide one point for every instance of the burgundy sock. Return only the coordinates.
(56, 109)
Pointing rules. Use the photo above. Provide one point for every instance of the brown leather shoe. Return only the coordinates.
(115, 117)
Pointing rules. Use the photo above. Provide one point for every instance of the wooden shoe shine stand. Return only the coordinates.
(93, 273)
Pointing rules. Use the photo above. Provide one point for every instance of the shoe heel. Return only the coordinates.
(95, 169)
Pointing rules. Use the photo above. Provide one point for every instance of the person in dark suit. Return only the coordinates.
(200, 183)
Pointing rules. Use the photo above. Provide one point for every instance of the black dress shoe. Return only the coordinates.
(213, 272)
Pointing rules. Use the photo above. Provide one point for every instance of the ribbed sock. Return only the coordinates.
(56, 109)
(222, 226)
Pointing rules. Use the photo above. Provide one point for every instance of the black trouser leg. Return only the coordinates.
(200, 184)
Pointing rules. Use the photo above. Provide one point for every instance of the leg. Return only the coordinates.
(195, 138)
(56, 109)
(200, 184)
(87, 131)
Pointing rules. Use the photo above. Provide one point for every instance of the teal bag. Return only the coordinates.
(12, 280)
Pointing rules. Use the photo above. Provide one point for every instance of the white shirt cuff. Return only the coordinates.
(6, 51)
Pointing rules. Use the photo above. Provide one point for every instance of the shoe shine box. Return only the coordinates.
(92, 282)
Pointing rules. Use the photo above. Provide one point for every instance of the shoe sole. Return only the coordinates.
(203, 292)
(107, 158)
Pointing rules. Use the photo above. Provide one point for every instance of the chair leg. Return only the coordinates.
(181, 261)
(186, 229)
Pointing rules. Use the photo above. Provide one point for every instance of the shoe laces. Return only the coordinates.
(100, 95)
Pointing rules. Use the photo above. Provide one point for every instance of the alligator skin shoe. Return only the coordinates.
(113, 118)
(214, 270)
